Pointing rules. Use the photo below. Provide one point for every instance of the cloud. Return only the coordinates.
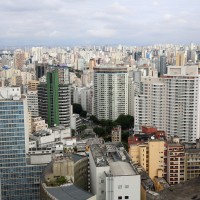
(85, 21)
(102, 33)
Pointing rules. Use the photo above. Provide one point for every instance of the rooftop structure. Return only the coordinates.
(112, 173)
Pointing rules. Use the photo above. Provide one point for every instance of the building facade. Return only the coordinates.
(112, 174)
(18, 180)
(54, 98)
(110, 92)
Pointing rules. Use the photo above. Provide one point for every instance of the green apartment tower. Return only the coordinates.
(54, 97)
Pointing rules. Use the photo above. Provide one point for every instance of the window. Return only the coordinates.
(102, 181)
(126, 186)
(120, 197)
(126, 197)
(119, 186)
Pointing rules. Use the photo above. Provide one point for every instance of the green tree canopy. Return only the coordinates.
(77, 108)
(99, 131)
(126, 121)
(94, 119)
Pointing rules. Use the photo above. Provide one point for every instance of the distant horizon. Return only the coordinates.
(2, 47)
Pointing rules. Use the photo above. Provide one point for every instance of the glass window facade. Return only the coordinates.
(19, 181)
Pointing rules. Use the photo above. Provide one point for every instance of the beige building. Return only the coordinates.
(38, 124)
(32, 85)
(116, 134)
(180, 58)
(19, 59)
(150, 156)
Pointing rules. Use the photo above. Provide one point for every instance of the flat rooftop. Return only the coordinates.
(183, 191)
(121, 169)
(70, 192)
(113, 155)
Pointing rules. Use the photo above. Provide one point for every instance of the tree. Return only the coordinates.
(61, 180)
(77, 108)
(99, 131)
(83, 114)
(94, 119)
(126, 121)
(83, 127)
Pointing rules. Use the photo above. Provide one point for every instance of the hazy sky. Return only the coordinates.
(133, 22)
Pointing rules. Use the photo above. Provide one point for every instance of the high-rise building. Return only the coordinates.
(54, 97)
(32, 100)
(171, 103)
(110, 92)
(19, 180)
(149, 106)
(19, 59)
(163, 65)
(175, 163)
(41, 69)
(180, 58)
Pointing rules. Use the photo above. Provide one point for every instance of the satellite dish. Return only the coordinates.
(152, 137)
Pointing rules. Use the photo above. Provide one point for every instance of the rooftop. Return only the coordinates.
(121, 169)
(183, 191)
(70, 192)
(113, 155)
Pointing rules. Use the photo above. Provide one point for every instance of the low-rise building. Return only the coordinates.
(73, 170)
(116, 134)
(112, 174)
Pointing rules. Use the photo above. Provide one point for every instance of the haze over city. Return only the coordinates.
(85, 22)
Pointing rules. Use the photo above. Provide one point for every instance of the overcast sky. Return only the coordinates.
(68, 22)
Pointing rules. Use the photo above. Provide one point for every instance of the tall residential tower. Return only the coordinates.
(110, 92)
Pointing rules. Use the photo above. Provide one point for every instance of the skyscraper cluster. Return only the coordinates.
(55, 103)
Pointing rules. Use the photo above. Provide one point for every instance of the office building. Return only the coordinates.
(19, 180)
(112, 174)
(54, 98)
(110, 92)
(163, 65)
(41, 69)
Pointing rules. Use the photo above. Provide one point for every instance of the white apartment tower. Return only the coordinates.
(110, 92)
(171, 103)
(149, 105)
(182, 102)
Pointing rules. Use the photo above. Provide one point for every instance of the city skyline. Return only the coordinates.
(87, 22)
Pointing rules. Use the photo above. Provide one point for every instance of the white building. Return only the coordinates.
(51, 137)
(112, 175)
(171, 103)
(75, 122)
(110, 92)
